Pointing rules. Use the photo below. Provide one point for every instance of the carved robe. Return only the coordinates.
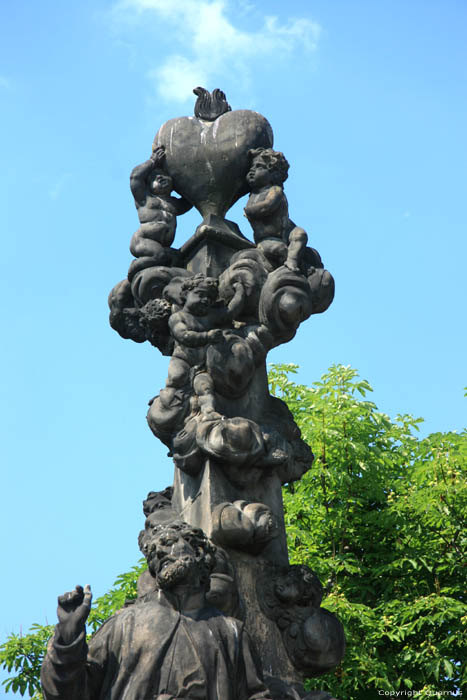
(151, 650)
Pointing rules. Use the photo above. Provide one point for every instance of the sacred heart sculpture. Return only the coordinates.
(207, 156)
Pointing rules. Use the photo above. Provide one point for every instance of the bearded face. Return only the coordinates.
(174, 573)
(172, 560)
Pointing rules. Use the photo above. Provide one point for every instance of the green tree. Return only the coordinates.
(381, 518)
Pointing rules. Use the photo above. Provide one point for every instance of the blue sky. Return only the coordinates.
(368, 102)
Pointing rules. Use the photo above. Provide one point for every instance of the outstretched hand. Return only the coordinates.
(73, 610)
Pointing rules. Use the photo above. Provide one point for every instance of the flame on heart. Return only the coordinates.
(210, 105)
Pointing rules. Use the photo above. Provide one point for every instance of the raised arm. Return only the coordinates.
(138, 180)
(140, 173)
(72, 612)
(66, 673)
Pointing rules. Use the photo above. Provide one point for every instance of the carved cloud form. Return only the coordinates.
(207, 43)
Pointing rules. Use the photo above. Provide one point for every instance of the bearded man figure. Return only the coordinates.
(169, 644)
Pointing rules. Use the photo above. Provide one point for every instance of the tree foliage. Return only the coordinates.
(381, 517)
(23, 654)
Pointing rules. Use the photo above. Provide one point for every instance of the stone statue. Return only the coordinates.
(194, 328)
(268, 212)
(169, 644)
(220, 586)
(314, 637)
(157, 211)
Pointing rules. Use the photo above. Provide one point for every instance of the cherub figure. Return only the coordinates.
(313, 636)
(267, 209)
(194, 328)
(299, 586)
(157, 209)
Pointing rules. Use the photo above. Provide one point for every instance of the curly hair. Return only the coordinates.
(210, 284)
(205, 550)
(275, 162)
(156, 310)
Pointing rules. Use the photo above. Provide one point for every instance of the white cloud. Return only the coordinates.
(209, 43)
(176, 78)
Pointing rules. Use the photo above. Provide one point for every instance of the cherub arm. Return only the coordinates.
(181, 205)
(185, 335)
(138, 179)
(140, 173)
(263, 207)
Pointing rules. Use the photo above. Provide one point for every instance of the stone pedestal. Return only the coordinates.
(195, 499)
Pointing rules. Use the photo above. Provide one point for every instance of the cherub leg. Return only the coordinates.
(178, 373)
(274, 250)
(203, 387)
(151, 239)
(297, 244)
(165, 409)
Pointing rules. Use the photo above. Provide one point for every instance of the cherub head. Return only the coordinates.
(198, 294)
(299, 586)
(267, 167)
(159, 183)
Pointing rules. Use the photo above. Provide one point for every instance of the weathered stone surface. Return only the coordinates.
(314, 637)
(219, 608)
(170, 643)
(208, 160)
